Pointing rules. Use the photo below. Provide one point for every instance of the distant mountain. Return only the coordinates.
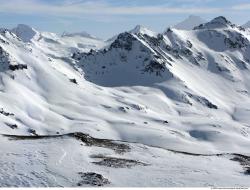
(247, 25)
(25, 32)
(79, 34)
(190, 22)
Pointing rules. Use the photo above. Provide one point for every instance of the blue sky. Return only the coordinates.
(104, 18)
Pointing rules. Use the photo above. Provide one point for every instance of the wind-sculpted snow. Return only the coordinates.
(186, 91)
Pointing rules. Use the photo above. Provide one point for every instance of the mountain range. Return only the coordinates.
(141, 109)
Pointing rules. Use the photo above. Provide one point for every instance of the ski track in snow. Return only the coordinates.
(62, 157)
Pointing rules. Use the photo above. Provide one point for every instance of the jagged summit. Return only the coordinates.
(218, 22)
(25, 32)
(190, 22)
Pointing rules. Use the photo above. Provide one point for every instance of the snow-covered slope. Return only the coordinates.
(144, 99)
(217, 55)
(190, 22)
(64, 45)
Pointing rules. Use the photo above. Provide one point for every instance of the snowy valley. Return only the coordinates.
(141, 109)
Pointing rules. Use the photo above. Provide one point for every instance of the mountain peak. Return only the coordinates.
(218, 22)
(25, 32)
(139, 29)
(221, 20)
(190, 22)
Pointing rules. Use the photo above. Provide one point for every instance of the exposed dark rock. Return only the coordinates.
(189, 44)
(105, 143)
(169, 30)
(33, 132)
(3, 41)
(92, 179)
(186, 52)
(17, 67)
(165, 122)
(116, 162)
(73, 81)
(203, 101)
(76, 56)
(244, 162)
(155, 67)
(123, 109)
(138, 107)
(236, 41)
(12, 126)
(4, 59)
(6, 113)
(200, 57)
(118, 147)
(153, 40)
(123, 41)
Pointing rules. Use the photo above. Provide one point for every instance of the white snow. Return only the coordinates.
(57, 162)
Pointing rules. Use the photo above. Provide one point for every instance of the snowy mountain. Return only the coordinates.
(81, 34)
(190, 22)
(25, 32)
(143, 109)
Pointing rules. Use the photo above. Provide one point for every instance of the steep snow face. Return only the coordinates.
(25, 32)
(190, 22)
